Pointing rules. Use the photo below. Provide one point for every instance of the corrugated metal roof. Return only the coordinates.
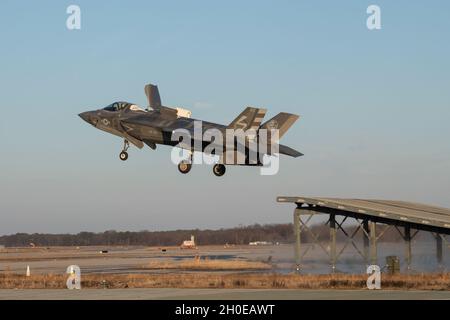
(395, 210)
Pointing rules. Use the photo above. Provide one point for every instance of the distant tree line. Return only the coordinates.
(282, 233)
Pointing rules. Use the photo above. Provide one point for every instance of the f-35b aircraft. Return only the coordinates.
(157, 124)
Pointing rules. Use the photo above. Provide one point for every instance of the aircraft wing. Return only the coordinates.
(283, 149)
(289, 151)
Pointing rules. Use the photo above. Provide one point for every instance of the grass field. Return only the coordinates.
(208, 267)
(198, 264)
(210, 280)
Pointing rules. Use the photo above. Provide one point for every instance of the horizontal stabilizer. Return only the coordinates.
(289, 151)
(282, 121)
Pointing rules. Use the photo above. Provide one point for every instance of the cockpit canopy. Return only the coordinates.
(120, 105)
(116, 106)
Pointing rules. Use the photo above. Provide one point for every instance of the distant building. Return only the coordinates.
(188, 244)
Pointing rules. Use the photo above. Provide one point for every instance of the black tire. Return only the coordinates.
(184, 167)
(219, 170)
(123, 155)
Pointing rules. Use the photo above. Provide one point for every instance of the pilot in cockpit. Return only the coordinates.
(118, 106)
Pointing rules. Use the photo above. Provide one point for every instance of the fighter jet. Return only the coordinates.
(157, 124)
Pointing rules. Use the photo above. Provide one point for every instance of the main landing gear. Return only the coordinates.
(219, 169)
(124, 154)
(184, 167)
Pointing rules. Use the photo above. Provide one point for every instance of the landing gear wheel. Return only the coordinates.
(184, 167)
(219, 170)
(123, 155)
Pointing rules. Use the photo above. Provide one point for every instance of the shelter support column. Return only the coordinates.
(408, 252)
(373, 242)
(366, 235)
(297, 233)
(333, 230)
(439, 250)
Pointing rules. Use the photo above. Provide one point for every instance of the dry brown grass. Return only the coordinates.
(207, 264)
(209, 280)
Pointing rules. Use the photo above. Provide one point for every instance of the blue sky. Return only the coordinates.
(374, 106)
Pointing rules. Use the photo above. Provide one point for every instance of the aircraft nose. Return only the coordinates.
(85, 116)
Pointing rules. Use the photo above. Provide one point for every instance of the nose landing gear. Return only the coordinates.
(124, 154)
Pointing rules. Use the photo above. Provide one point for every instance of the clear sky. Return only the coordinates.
(374, 106)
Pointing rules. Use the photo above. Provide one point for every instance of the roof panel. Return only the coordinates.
(389, 209)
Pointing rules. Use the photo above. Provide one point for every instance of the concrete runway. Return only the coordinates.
(219, 294)
(129, 260)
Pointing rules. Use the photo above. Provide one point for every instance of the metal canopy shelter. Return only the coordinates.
(403, 216)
